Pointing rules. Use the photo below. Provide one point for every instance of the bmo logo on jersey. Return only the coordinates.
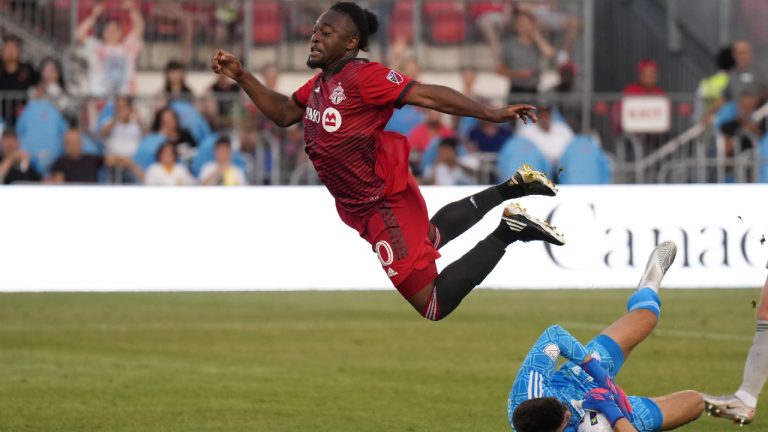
(331, 119)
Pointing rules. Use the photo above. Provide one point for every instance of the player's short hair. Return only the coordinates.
(9, 133)
(539, 415)
(366, 22)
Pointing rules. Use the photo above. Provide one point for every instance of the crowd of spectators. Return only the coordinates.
(217, 137)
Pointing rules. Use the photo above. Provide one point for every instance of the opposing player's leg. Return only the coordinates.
(457, 217)
(644, 306)
(440, 297)
(740, 407)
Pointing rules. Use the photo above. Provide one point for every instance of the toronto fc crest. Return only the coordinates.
(337, 96)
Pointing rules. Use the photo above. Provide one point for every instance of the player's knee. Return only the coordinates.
(647, 299)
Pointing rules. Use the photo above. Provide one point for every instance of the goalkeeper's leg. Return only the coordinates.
(679, 408)
(644, 306)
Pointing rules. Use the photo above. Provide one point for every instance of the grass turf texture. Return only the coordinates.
(352, 361)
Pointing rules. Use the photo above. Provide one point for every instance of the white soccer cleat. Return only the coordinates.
(659, 262)
(529, 228)
(532, 182)
(729, 407)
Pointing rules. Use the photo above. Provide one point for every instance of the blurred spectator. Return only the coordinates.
(550, 137)
(51, 87)
(112, 59)
(167, 124)
(449, 169)
(468, 79)
(407, 117)
(270, 74)
(175, 86)
(15, 163)
(15, 76)
(711, 89)
(75, 167)
(746, 76)
(123, 132)
(488, 136)
(166, 171)
(743, 132)
(647, 80)
(219, 102)
(522, 56)
(225, 27)
(554, 22)
(432, 127)
(567, 73)
(188, 21)
(490, 18)
(222, 171)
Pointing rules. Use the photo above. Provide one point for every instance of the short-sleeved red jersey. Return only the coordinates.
(344, 119)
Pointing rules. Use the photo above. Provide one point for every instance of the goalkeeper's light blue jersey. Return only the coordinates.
(539, 377)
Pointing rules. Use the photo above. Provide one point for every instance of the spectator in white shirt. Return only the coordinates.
(112, 59)
(123, 132)
(166, 171)
(449, 169)
(222, 171)
(551, 137)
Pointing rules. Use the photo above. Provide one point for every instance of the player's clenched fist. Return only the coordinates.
(224, 62)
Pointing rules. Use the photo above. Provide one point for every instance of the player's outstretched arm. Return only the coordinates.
(624, 425)
(449, 101)
(278, 107)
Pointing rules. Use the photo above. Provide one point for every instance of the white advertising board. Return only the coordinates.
(645, 114)
(290, 238)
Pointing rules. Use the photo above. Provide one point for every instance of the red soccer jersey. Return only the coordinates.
(344, 121)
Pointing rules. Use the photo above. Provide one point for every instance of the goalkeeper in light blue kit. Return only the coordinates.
(549, 399)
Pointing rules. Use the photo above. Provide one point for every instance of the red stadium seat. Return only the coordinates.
(267, 23)
(401, 21)
(445, 22)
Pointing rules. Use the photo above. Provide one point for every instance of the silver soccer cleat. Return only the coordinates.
(533, 182)
(659, 262)
(529, 228)
(729, 407)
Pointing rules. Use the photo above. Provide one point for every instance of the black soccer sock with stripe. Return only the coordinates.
(464, 274)
(459, 216)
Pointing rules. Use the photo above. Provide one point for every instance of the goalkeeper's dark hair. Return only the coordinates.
(539, 415)
(366, 22)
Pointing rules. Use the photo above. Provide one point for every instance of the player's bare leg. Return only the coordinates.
(740, 407)
(459, 216)
(680, 408)
(441, 296)
(644, 305)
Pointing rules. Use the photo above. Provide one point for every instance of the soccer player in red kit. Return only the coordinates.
(344, 109)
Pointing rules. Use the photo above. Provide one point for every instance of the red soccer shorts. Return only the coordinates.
(399, 235)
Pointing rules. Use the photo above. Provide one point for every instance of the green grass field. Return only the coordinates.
(353, 361)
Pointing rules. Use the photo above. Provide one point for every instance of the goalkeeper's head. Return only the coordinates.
(541, 415)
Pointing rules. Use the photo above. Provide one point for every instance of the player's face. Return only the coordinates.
(331, 40)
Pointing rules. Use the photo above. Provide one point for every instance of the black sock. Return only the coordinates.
(464, 274)
(508, 191)
(459, 216)
(504, 234)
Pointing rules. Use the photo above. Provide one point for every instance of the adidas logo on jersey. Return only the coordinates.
(391, 273)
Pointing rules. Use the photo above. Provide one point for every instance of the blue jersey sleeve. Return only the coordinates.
(534, 377)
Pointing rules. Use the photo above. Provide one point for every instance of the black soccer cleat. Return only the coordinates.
(532, 182)
(529, 228)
